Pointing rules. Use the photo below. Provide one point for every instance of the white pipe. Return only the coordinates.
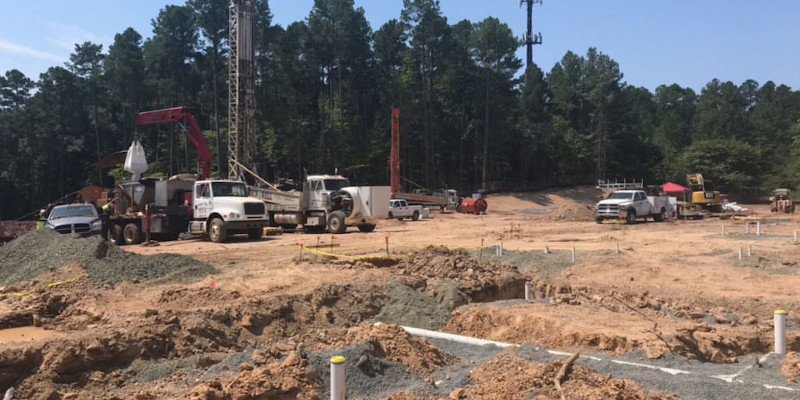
(758, 228)
(747, 227)
(500, 249)
(337, 378)
(780, 332)
(527, 291)
(740, 253)
(452, 337)
(723, 230)
(795, 236)
(617, 248)
(749, 250)
(546, 250)
(573, 255)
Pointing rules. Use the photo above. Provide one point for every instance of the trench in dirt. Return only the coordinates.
(191, 335)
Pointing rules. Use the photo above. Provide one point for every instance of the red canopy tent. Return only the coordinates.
(670, 187)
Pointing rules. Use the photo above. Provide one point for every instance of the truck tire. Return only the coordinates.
(115, 234)
(391, 216)
(598, 220)
(289, 227)
(366, 228)
(336, 222)
(216, 231)
(631, 217)
(255, 233)
(415, 217)
(132, 234)
(660, 217)
(314, 229)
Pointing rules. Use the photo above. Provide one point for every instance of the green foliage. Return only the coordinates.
(324, 89)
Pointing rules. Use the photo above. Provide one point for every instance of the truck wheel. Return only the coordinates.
(598, 220)
(415, 217)
(660, 217)
(336, 222)
(289, 227)
(132, 234)
(391, 216)
(255, 233)
(366, 228)
(115, 234)
(631, 217)
(216, 231)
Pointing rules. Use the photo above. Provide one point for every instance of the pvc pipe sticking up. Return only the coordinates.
(758, 228)
(337, 378)
(573, 255)
(617, 248)
(500, 248)
(740, 253)
(749, 250)
(723, 230)
(527, 291)
(546, 250)
(780, 332)
(795, 236)
(747, 227)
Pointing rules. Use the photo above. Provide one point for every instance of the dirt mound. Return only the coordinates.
(36, 252)
(557, 204)
(10, 230)
(290, 378)
(444, 263)
(504, 376)
(790, 367)
(391, 342)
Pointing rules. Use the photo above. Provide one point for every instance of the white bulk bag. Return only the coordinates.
(135, 161)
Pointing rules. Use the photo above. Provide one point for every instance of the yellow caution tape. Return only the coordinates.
(21, 294)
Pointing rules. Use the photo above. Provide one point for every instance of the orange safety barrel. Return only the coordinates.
(473, 206)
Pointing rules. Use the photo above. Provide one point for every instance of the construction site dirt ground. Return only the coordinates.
(260, 319)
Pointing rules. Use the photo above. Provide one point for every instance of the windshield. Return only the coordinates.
(620, 195)
(73, 211)
(335, 184)
(231, 189)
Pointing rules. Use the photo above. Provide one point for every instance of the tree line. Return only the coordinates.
(470, 118)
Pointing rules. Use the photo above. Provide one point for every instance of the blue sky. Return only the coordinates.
(687, 42)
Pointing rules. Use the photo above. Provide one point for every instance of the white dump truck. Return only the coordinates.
(629, 205)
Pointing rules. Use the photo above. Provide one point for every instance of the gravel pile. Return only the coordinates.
(36, 252)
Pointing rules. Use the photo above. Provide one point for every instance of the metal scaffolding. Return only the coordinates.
(241, 92)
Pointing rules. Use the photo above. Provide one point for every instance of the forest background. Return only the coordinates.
(472, 116)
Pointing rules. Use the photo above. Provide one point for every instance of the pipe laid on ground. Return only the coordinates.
(780, 332)
(451, 337)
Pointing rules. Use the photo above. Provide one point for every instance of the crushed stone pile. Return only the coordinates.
(441, 262)
(37, 252)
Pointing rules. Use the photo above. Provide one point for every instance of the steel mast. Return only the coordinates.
(241, 91)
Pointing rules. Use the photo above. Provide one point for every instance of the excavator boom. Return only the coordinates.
(195, 135)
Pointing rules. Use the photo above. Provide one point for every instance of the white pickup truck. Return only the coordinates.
(399, 208)
(632, 204)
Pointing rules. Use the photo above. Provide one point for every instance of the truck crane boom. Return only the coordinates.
(193, 132)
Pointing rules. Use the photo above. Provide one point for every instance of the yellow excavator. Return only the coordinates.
(710, 199)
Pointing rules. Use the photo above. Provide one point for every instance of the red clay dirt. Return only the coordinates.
(677, 287)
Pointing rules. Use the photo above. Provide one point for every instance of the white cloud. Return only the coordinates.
(66, 37)
(9, 47)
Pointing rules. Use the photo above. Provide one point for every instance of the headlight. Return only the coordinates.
(234, 215)
(97, 225)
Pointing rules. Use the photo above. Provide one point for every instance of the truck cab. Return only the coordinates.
(221, 208)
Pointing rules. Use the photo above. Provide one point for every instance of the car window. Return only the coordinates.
(202, 190)
(73, 211)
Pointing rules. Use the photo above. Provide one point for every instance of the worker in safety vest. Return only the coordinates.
(106, 211)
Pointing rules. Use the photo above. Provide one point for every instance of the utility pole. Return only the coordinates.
(241, 92)
(529, 38)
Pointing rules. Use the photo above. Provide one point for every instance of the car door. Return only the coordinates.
(641, 204)
(202, 200)
(402, 208)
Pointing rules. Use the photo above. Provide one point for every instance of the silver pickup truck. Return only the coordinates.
(629, 205)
